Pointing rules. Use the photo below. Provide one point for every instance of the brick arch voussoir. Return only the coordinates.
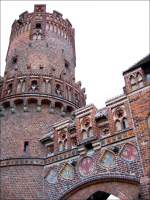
(120, 185)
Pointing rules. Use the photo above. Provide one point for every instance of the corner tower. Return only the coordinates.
(38, 89)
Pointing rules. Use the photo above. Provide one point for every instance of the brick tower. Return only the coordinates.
(38, 89)
(52, 145)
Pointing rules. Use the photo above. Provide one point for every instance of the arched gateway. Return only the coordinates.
(101, 188)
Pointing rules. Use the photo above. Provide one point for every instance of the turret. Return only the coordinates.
(41, 62)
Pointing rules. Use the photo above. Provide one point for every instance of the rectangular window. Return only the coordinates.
(66, 64)
(26, 146)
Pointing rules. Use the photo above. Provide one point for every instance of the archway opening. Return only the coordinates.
(100, 195)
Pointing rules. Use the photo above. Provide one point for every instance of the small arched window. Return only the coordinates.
(58, 90)
(149, 122)
(118, 125)
(140, 80)
(61, 146)
(133, 83)
(19, 86)
(125, 123)
(10, 88)
(34, 85)
(23, 86)
(65, 144)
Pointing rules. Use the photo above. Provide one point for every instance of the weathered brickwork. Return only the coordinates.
(53, 146)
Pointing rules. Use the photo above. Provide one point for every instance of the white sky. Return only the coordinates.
(110, 37)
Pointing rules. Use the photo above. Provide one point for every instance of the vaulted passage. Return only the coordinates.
(99, 196)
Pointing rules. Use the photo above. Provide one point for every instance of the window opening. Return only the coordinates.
(26, 146)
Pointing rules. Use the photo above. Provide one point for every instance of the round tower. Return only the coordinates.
(38, 89)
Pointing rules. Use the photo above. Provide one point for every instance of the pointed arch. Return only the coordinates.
(125, 123)
(105, 184)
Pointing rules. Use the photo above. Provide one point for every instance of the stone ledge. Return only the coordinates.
(21, 161)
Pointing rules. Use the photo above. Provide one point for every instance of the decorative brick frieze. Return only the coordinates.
(22, 161)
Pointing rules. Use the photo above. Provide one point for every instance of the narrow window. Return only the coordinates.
(140, 80)
(19, 86)
(118, 125)
(28, 66)
(61, 147)
(66, 65)
(34, 85)
(14, 60)
(133, 83)
(10, 88)
(58, 90)
(65, 144)
(26, 146)
(125, 123)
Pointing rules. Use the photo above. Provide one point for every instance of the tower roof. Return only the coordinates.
(143, 62)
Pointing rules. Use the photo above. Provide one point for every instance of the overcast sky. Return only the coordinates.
(110, 37)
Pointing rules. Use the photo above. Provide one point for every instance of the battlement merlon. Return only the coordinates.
(54, 18)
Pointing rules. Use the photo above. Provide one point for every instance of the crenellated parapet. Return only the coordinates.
(41, 43)
(38, 24)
